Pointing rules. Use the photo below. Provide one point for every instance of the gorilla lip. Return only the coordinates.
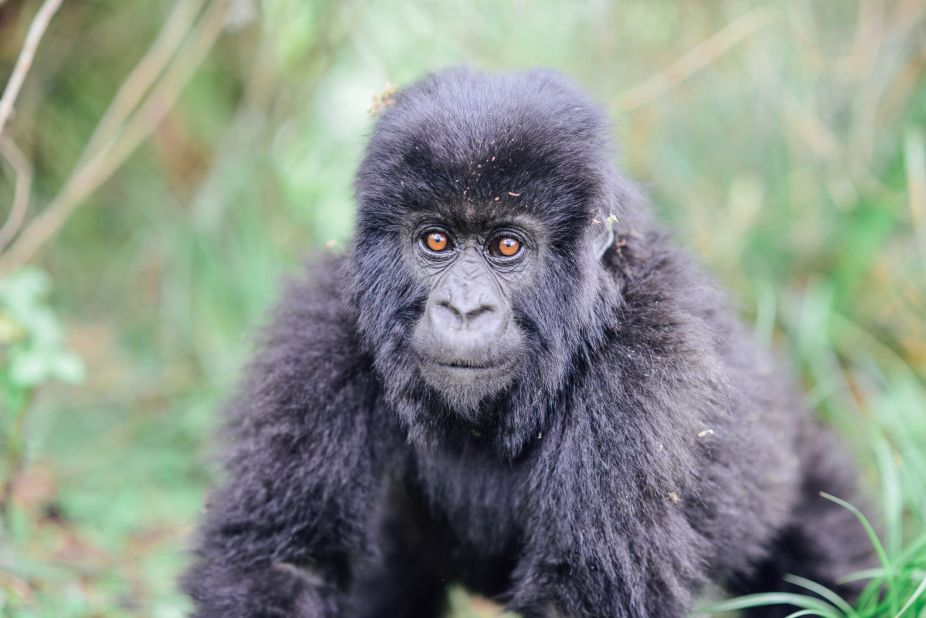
(463, 366)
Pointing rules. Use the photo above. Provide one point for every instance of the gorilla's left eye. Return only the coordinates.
(505, 246)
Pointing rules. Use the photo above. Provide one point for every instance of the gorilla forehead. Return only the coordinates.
(463, 141)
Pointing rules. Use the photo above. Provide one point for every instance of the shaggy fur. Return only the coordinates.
(646, 447)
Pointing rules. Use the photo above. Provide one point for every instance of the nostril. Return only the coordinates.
(446, 304)
(464, 316)
(478, 311)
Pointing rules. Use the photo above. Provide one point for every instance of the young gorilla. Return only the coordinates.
(512, 382)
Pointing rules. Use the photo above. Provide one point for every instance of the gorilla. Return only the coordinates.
(514, 382)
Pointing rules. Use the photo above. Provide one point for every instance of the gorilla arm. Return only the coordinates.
(621, 525)
(619, 544)
(278, 537)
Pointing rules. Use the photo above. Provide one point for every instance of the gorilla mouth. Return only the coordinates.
(471, 365)
(464, 383)
(462, 372)
(468, 366)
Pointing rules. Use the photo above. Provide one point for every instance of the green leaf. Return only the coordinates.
(28, 368)
(68, 367)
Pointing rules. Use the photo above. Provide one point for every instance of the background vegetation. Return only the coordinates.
(784, 142)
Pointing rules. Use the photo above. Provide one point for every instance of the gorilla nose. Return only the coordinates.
(470, 314)
(466, 317)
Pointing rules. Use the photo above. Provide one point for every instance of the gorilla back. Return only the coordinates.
(515, 382)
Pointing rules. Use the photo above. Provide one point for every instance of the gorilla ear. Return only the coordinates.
(603, 234)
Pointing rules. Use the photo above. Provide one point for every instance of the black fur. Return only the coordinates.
(646, 448)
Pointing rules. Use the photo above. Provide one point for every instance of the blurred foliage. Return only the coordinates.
(32, 353)
(33, 346)
(782, 141)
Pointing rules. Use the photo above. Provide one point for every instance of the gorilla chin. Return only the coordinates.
(465, 385)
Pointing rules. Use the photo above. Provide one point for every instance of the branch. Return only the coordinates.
(695, 60)
(100, 165)
(33, 36)
(23, 172)
(139, 82)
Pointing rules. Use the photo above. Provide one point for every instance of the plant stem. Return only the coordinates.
(14, 459)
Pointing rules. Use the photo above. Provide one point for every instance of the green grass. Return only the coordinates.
(895, 589)
(789, 161)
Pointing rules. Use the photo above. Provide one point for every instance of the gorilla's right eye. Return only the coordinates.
(436, 241)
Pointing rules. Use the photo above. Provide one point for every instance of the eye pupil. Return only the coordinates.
(508, 246)
(436, 241)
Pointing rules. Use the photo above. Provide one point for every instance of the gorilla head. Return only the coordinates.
(486, 203)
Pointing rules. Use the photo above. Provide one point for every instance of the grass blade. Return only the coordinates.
(913, 597)
(891, 501)
(802, 601)
(823, 591)
(862, 575)
(876, 543)
(869, 529)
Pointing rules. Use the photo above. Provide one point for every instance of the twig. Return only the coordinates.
(104, 162)
(915, 162)
(139, 82)
(21, 193)
(33, 37)
(259, 95)
(695, 60)
(869, 35)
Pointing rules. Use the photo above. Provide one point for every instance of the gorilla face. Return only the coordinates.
(467, 342)
(476, 270)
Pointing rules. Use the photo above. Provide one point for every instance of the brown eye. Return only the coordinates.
(506, 246)
(436, 241)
